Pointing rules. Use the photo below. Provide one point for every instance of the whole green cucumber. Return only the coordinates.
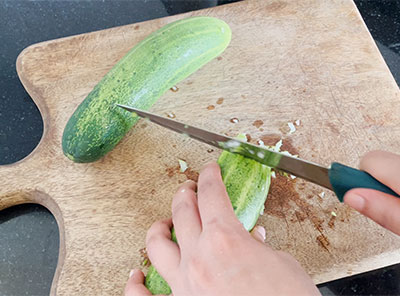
(247, 183)
(153, 66)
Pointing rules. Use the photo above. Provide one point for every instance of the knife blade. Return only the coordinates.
(338, 178)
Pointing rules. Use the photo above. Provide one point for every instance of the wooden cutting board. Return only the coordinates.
(312, 61)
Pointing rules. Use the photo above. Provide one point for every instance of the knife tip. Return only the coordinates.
(123, 107)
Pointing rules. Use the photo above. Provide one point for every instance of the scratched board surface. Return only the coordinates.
(311, 63)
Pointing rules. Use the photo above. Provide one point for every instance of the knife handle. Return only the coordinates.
(344, 178)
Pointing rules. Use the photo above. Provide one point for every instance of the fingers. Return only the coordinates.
(384, 166)
(163, 253)
(185, 216)
(135, 285)
(380, 207)
(213, 201)
(258, 233)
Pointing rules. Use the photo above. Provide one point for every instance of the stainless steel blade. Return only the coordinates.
(304, 169)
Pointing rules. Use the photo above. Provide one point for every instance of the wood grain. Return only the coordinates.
(288, 60)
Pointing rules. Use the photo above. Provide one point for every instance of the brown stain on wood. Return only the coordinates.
(248, 138)
(270, 139)
(345, 215)
(333, 128)
(281, 192)
(372, 121)
(287, 144)
(283, 196)
(258, 123)
(171, 171)
(220, 101)
(211, 107)
(323, 241)
(275, 6)
(189, 173)
(331, 222)
(300, 216)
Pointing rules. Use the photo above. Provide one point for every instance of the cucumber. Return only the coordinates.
(247, 183)
(154, 282)
(153, 66)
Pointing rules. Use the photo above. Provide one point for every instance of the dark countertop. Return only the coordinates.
(28, 233)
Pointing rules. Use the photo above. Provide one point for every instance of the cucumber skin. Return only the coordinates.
(154, 282)
(247, 183)
(153, 66)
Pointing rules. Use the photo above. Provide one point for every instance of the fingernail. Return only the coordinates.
(355, 201)
(131, 273)
(261, 231)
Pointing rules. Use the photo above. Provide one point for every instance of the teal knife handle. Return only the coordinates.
(344, 178)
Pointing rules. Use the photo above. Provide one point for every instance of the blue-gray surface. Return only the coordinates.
(28, 250)
(28, 233)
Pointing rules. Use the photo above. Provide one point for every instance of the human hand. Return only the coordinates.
(216, 255)
(381, 207)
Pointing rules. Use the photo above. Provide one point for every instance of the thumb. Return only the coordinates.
(135, 285)
(383, 208)
(258, 233)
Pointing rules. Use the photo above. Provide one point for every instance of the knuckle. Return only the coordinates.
(183, 204)
(214, 223)
(156, 231)
(155, 243)
(152, 241)
(199, 272)
(222, 238)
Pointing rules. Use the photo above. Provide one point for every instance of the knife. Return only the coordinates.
(338, 177)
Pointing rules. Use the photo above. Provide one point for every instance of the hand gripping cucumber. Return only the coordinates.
(247, 183)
